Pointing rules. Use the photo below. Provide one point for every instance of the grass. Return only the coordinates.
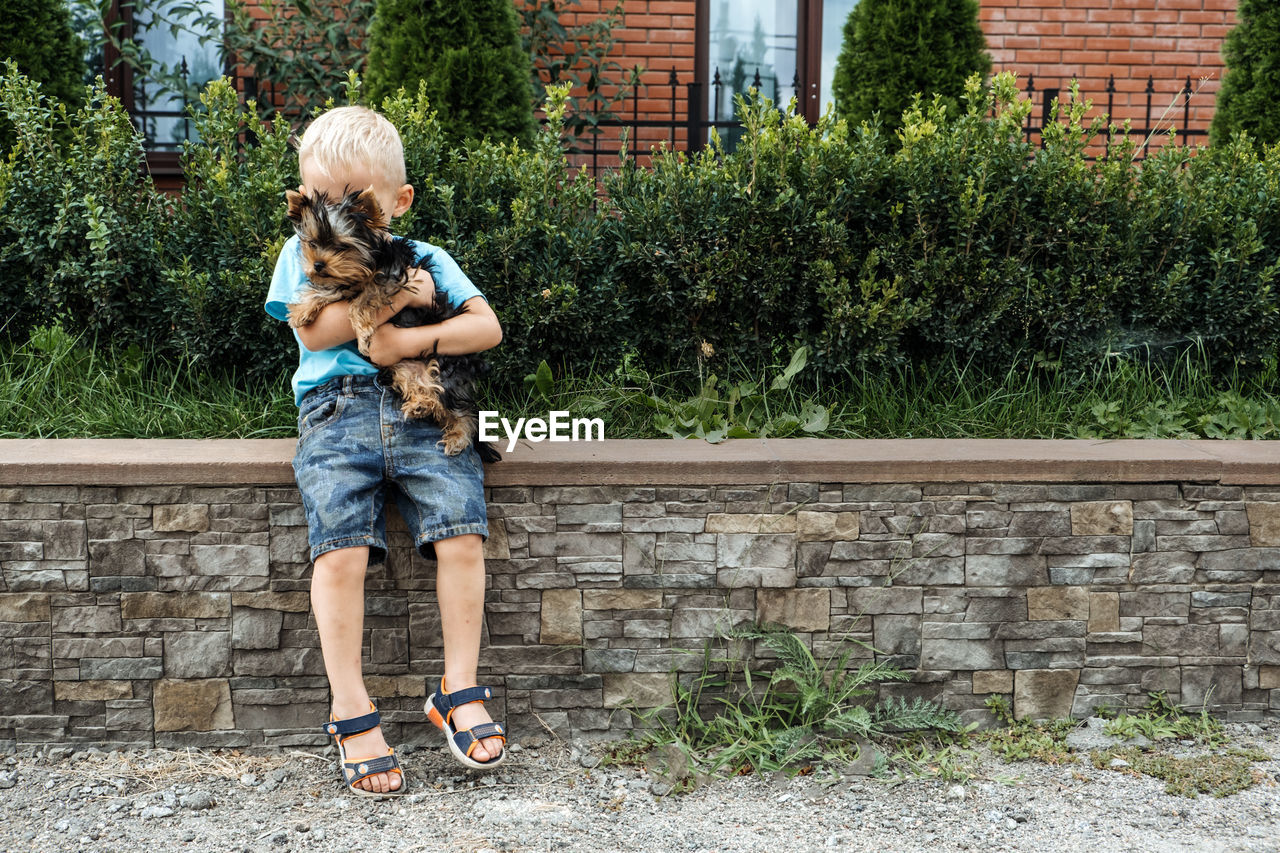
(732, 717)
(1218, 774)
(55, 387)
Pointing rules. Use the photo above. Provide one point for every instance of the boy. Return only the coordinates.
(354, 443)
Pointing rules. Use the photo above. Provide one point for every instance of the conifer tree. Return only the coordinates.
(1249, 99)
(477, 73)
(37, 34)
(895, 48)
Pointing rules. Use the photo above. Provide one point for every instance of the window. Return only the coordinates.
(789, 46)
(177, 42)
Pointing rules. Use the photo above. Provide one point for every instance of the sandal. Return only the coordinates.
(355, 771)
(439, 709)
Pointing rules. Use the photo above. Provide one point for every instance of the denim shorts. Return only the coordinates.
(355, 445)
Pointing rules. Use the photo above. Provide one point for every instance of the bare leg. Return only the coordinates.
(460, 588)
(337, 599)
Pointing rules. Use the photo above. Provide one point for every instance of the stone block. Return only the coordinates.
(798, 609)
(561, 617)
(24, 607)
(1181, 640)
(823, 526)
(1005, 570)
(117, 557)
(1269, 677)
(64, 540)
(591, 514)
(885, 599)
(960, 654)
(748, 550)
(574, 544)
(498, 545)
(1157, 567)
(252, 628)
(720, 522)
(609, 660)
(91, 619)
(409, 686)
(25, 697)
(286, 662)
(1104, 611)
(700, 622)
(1264, 522)
(187, 518)
(193, 706)
(121, 669)
(1044, 694)
(896, 634)
(1264, 648)
(621, 599)
(197, 654)
(226, 560)
(1057, 602)
(1211, 686)
(993, 681)
(637, 689)
(756, 576)
(1033, 523)
(175, 605)
(91, 691)
(289, 602)
(1102, 518)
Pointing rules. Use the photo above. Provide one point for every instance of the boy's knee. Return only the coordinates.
(469, 546)
(342, 560)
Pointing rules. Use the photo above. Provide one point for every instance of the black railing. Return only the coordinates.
(694, 126)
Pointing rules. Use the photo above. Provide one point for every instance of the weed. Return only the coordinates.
(1160, 719)
(1021, 740)
(732, 717)
(1218, 774)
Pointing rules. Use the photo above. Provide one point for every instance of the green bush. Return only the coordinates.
(39, 37)
(1249, 99)
(79, 218)
(469, 55)
(893, 50)
(950, 241)
(526, 232)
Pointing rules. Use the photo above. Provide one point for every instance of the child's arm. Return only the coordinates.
(475, 330)
(333, 325)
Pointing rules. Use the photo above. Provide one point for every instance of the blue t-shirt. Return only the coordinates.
(317, 368)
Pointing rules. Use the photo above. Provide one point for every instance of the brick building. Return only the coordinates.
(1147, 51)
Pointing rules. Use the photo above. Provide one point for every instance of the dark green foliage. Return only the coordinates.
(476, 73)
(1249, 99)
(893, 49)
(223, 241)
(957, 244)
(526, 233)
(37, 34)
(79, 219)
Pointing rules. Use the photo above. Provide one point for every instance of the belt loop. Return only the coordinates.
(346, 385)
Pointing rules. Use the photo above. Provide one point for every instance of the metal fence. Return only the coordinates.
(691, 126)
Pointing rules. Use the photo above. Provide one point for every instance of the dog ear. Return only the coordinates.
(366, 204)
(297, 202)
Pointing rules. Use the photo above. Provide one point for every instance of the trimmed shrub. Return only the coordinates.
(1249, 99)
(893, 50)
(79, 218)
(469, 56)
(38, 36)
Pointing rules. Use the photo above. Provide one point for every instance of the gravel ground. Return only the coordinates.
(557, 796)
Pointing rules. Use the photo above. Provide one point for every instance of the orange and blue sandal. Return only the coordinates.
(355, 771)
(439, 709)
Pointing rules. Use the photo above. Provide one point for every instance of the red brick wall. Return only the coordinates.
(1168, 40)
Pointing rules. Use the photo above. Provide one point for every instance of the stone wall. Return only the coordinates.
(177, 613)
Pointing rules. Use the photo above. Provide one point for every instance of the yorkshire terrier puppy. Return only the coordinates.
(348, 253)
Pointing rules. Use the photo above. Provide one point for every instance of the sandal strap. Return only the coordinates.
(467, 739)
(354, 725)
(446, 702)
(371, 766)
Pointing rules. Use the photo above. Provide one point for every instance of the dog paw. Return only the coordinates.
(453, 446)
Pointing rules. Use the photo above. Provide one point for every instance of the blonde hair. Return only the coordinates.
(348, 137)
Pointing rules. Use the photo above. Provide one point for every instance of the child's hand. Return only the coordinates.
(422, 289)
(391, 344)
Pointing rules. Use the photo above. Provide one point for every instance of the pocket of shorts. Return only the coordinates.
(321, 414)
